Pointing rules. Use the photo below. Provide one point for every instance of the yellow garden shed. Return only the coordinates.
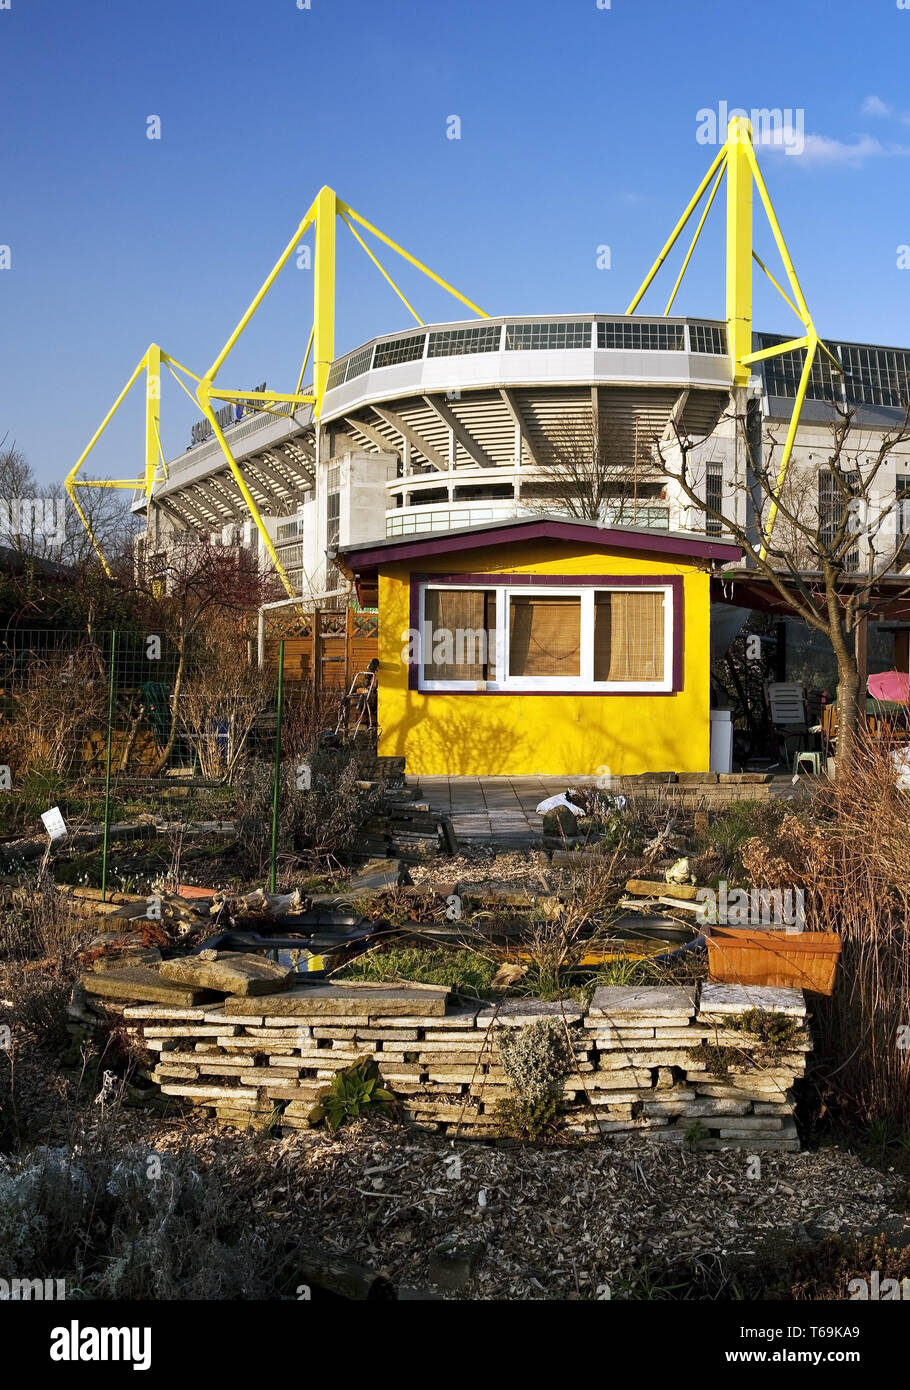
(543, 645)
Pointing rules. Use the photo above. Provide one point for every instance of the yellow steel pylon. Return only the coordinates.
(150, 364)
(321, 215)
(737, 160)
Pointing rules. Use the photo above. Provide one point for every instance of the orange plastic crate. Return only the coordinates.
(793, 960)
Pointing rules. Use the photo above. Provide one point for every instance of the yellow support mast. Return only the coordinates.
(737, 161)
(150, 366)
(326, 208)
(322, 214)
(739, 249)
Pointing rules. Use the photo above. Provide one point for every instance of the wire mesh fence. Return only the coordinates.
(54, 689)
(120, 728)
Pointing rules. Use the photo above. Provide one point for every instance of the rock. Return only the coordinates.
(644, 1002)
(561, 823)
(695, 1109)
(140, 983)
(229, 972)
(515, 1012)
(375, 876)
(453, 1261)
(387, 1001)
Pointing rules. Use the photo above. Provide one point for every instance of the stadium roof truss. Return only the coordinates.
(737, 160)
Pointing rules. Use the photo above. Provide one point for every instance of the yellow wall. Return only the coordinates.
(521, 734)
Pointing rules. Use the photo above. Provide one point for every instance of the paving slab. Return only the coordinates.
(343, 1001)
(143, 985)
(231, 972)
(644, 1001)
(737, 999)
(516, 1012)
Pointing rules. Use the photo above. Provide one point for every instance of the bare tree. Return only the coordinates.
(195, 581)
(223, 696)
(600, 470)
(38, 520)
(112, 523)
(822, 555)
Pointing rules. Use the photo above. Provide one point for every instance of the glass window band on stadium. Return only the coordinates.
(873, 376)
(533, 335)
(876, 376)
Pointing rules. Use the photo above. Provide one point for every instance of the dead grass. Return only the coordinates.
(849, 851)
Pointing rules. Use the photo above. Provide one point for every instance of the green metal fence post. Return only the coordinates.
(107, 775)
(276, 786)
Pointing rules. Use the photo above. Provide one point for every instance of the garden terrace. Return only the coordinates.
(714, 1066)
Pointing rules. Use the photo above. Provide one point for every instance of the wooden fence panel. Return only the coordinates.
(346, 642)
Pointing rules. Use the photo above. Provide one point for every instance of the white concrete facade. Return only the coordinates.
(465, 423)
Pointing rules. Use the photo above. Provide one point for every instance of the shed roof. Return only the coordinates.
(369, 556)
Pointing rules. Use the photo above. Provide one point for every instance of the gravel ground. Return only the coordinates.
(526, 870)
(554, 1223)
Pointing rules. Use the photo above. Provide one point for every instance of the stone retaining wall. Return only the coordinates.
(669, 1062)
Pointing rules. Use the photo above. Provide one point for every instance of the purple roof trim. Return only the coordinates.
(363, 557)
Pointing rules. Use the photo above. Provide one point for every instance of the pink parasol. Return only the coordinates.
(890, 685)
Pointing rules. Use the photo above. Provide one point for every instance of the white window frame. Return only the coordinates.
(584, 682)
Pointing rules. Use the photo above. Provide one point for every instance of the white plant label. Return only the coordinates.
(54, 823)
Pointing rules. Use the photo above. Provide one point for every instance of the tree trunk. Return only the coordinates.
(847, 712)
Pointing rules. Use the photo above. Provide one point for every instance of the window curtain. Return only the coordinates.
(629, 636)
(545, 637)
(463, 623)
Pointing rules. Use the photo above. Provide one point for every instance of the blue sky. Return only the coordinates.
(578, 129)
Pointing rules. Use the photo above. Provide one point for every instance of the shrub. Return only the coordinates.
(775, 1033)
(110, 1227)
(740, 823)
(316, 826)
(556, 946)
(535, 1058)
(353, 1092)
(531, 1121)
(716, 1060)
(849, 851)
(222, 696)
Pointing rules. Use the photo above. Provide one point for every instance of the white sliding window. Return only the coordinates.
(542, 637)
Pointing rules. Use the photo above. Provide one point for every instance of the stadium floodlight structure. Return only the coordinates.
(737, 160)
(155, 464)
(322, 215)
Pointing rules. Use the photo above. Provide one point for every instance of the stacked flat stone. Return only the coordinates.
(650, 1074)
(266, 1050)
